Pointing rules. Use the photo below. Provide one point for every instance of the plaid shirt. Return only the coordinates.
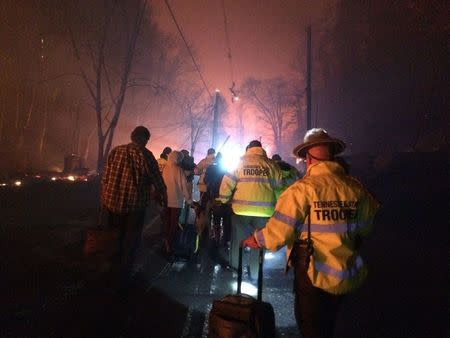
(127, 179)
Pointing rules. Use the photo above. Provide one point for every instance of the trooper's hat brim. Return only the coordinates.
(338, 146)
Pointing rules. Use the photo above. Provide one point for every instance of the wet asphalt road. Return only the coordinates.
(43, 292)
(196, 283)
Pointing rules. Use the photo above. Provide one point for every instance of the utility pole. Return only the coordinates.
(215, 120)
(308, 78)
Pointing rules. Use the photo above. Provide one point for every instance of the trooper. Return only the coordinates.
(321, 219)
(252, 188)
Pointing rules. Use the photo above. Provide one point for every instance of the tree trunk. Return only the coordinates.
(2, 117)
(75, 141)
(88, 145)
(124, 81)
(100, 158)
(43, 133)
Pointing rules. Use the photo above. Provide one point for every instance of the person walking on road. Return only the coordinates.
(200, 170)
(130, 175)
(252, 188)
(178, 193)
(188, 165)
(203, 208)
(326, 263)
(221, 213)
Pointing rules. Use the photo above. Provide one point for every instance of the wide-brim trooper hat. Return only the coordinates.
(316, 136)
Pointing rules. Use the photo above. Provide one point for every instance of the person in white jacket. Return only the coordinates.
(177, 192)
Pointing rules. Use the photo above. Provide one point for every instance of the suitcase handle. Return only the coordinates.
(260, 272)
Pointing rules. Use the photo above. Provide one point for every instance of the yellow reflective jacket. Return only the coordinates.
(335, 265)
(254, 186)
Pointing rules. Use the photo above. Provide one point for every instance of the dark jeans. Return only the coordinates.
(130, 232)
(315, 309)
(241, 228)
(170, 220)
(222, 222)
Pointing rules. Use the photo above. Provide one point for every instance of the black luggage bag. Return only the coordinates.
(240, 315)
(186, 242)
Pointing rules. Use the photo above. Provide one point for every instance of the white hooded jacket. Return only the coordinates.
(175, 180)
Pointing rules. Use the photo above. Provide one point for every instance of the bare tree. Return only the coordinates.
(299, 90)
(22, 63)
(104, 40)
(273, 99)
(194, 109)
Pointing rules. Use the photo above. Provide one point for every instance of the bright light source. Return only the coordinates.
(217, 90)
(71, 178)
(3, 184)
(246, 288)
(231, 155)
(53, 178)
(269, 255)
(18, 183)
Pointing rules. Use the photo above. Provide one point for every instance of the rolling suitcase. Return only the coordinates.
(186, 242)
(240, 315)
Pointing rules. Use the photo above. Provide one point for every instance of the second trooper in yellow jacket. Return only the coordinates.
(252, 188)
(340, 213)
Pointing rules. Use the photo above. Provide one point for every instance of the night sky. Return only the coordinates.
(379, 75)
(264, 35)
(377, 78)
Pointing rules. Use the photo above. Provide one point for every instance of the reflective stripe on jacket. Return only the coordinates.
(332, 195)
(253, 187)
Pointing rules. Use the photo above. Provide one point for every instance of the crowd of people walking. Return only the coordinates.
(263, 203)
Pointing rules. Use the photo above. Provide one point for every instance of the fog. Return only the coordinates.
(74, 77)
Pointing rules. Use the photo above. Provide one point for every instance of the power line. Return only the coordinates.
(234, 96)
(227, 37)
(187, 46)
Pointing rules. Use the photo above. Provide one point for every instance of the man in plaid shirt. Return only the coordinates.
(131, 176)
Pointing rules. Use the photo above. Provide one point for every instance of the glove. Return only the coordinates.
(250, 242)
